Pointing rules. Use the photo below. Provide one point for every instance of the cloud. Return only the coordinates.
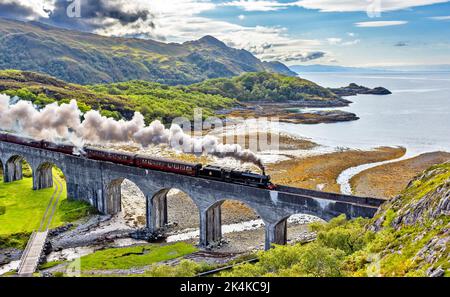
(176, 21)
(441, 18)
(103, 15)
(25, 10)
(351, 42)
(340, 41)
(331, 5)
(334, 40)
(401, 44)
(380, 24)
(299, 57)
(257, 5)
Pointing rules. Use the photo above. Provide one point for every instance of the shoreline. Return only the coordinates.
(345, 176)
(390, 179)
(321, 172)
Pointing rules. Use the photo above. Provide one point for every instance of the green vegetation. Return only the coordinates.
(156, 101)
(186, 268)
(263, 86)
(51, 264)
(16, 240)
(136, 256)
(19, 201)
(88, 59)
(121, 100)
(408, 237)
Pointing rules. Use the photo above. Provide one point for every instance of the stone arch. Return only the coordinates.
(293, 227)
(43, 174)
(112, 194)
(213, 218)
(160, 212)
(13, 168)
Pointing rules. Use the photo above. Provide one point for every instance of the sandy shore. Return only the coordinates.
(390, 179)
(320, 172)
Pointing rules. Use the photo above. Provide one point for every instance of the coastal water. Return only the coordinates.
(416, 116)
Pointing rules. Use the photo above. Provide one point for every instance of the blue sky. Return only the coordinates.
(335, 32)
(413, 35)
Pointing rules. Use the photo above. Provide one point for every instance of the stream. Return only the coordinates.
(345, 177)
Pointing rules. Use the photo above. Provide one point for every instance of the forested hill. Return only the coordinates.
(85, 58)
(118, 100)
(268, 87)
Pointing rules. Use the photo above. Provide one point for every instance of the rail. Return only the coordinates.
(35, 246)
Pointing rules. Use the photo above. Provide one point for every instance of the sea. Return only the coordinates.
(416, 116)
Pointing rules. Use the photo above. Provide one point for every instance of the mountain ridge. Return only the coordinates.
(87, 58)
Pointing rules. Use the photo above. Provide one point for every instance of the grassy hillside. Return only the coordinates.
(88, 58)
(119, 100)
(263, 86)
(408, 237)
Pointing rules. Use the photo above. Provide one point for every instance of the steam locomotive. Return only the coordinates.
(136, 160)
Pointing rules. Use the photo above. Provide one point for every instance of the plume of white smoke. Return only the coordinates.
(97, 128)
(56, 123)
(53, 122)
(155, 133)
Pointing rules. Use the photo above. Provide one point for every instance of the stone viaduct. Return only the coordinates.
(99, 184)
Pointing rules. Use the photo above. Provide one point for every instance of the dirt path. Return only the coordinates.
(390, 179)
(320, 172)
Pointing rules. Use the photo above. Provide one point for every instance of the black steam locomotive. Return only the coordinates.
(208, 172)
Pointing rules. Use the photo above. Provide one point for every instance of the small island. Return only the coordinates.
(354, 89)
(293, 114)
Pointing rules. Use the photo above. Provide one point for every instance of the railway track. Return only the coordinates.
(36, 243)
(49, 207)
(59, 189)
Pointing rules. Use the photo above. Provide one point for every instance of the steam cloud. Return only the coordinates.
(63, 123)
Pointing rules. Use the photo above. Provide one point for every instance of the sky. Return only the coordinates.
(364, 33)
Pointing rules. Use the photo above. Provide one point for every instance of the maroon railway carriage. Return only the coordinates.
(3, 136)
(60, 148)
(167, 165)
(116, 157)
(23, 140)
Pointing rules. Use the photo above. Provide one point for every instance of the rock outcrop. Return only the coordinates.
(419, 223)
(354, 89)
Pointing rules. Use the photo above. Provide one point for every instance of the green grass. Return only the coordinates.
(50, 264)
(23, 210)
(137, 256)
